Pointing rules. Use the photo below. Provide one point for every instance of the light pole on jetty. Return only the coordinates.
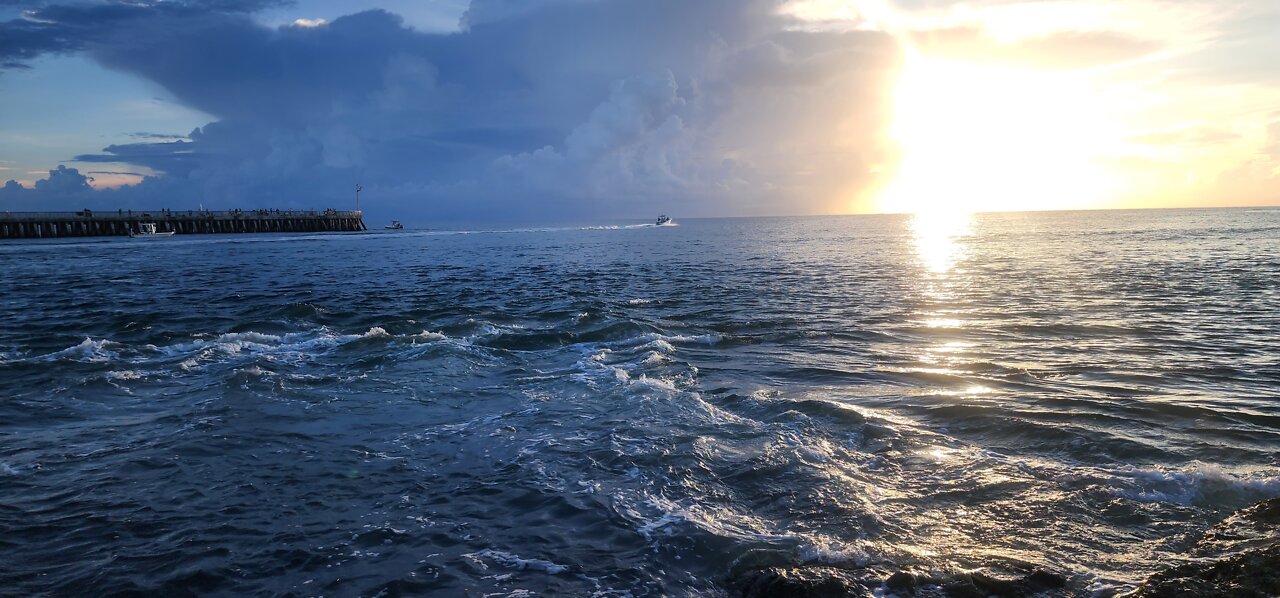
(358, 190)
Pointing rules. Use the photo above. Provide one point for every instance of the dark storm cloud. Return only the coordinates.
(62, 28)
(175, 158)
(146, 135)
(545, 108)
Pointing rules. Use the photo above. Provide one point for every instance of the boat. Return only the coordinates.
(147, 230)
(663, 219)
(395, 225)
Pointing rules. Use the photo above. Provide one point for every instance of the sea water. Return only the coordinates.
(615, 409)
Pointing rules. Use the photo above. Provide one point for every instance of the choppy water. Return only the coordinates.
(648, 410)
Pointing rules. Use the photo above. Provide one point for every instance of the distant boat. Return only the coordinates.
(147, 230)
(395, 225)
(663, 219)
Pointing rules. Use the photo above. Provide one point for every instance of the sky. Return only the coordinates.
(583, 109)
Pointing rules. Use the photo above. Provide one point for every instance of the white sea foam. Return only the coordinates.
(722, 522)
(256, 338)
(292, 347)
(124, 375)
(512, 561)
(658, 346)
(654, 358)
(88, 351)
(704, 339)
(254, 370)
(1199, 484)
(655, 383)
(819, 549)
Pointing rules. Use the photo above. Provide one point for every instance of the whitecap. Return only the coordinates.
(124, 375)
(88, 351)
(703, 339)
(722, 522)
(655, 383)
(818, 549)
(512, 561)
(1202, 483)
(249, 337)
(658, 346)
(653, 358)
(376, 332)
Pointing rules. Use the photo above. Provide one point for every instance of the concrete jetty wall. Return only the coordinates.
(86, 223)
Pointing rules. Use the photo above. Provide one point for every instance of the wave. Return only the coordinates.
(512, 561)
(205, 349)
(88, 351)
(700, 339)
(1202, 484)
(617, 352)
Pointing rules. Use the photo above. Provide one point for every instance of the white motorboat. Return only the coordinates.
(663, 219)
(395, 225)
(147, 230)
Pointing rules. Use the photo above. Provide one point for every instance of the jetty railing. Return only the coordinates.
(89, 223)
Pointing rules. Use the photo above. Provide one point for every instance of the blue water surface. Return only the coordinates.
(630, 409)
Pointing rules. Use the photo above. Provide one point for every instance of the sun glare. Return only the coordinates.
(938, 237)
(989, 138)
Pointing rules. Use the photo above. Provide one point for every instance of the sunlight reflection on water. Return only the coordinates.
(937, 238)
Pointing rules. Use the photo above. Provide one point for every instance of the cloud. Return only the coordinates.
(146, 135)
(1192, 136)
(63, 187)
(1272, 146)
(64, 28)
(176, 158)
(1056, 50)
(64, 181)
(551, 108)
(488, 11)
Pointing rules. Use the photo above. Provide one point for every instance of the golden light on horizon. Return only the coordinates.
(978, 137)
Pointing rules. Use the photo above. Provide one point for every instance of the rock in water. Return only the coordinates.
(833, 582)
(803, 582)
(1239, 557)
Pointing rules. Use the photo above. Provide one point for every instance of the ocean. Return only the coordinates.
(623, 409)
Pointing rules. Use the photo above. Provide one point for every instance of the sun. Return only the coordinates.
(978, 137)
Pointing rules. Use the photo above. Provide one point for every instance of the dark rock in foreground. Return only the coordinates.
(1239, 557)
(831, 582)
